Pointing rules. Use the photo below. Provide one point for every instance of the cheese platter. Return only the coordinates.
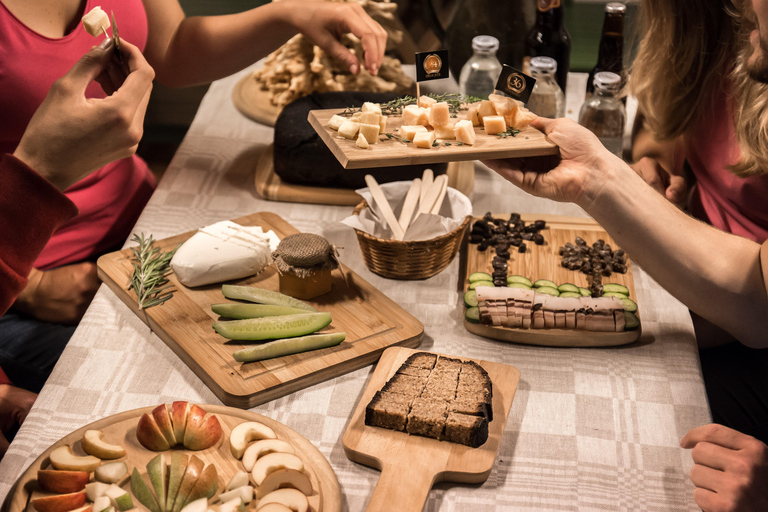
(536, 272)
(185, 322)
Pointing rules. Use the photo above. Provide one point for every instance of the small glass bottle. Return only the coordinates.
(479, 75)
(604, 113)
(547, 99)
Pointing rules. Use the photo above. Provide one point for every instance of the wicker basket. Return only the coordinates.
(418, 259)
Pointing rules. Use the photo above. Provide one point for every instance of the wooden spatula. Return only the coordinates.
(440, 196)
(427, 177)
(409, 204)
(384, 206)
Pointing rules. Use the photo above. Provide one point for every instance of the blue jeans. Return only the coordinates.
(29, 348)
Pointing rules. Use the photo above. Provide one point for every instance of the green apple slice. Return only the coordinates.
(176, 475)
(156, 469)
(141, 492)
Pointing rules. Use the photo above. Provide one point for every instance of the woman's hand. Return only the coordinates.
(60, 295)
(730, 471)
(671, 185)
(15, 404)
(576, 176)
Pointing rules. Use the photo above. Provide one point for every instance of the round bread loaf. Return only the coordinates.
(301, 156)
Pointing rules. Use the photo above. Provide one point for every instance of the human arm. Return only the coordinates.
(716, 274)
(730, 469)
(659, 163)
(195, 50)
(15, 404)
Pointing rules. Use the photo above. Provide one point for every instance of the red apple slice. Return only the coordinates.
(60, 502)
(246, 432)
(163, 419)
(149, 435)
(53, 480)
(283, 478)
(179, 412)
(194, 420)
(291, 498)
(207, 434)
(63, 458)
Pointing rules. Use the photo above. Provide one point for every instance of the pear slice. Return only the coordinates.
(120, 498)
(272, 462)
(291, 498)
(111, 472)
(157, 469)
(95, 490)
(263, 447)
(244, 494)
(246, 432)
(102, 503)
(240, 479)
(141, 492)
(199, 505)
(194, 468)
(63, 458)
(274, 507)
(93, 444)
(231, 505)
(205, 486)
(179, 463)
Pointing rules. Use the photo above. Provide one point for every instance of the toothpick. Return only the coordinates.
(418, 93)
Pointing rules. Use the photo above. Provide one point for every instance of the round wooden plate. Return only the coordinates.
(121, 429)
(254, 102)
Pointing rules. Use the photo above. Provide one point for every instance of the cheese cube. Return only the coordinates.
(357, 116)
(424, 139)
(486, 108)
(362, 142)
(408, 132)
(522, 118)
(439, 115)
(426, 101)
(472, 116)
(371, 107)
(349, 129)
(502, 104)
(494, 125)
(94, 20)
(445, 132)
(335, 122)
(382, 124)
(370, 132)
(464, 132)
(369, 118)
(413, 115)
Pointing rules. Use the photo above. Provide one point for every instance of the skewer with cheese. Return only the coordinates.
(96, 22)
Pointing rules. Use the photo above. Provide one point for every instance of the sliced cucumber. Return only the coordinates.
(475, 284)
(544, 282)
(274, 327)
(615, 294)
(470, 299)
(241, 311)
(568, 287)
(548, 290)
(574, 295)
(261, 296)
(518, 285)
(585, 292)
(631, 322)
(480, 276)
(472, 315)
(289, 346)
(519, 279)
(616, 288)
(629, 305)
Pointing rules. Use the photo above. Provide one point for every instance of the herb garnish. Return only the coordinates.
(150, 272)
(510, 131)
(395, 107)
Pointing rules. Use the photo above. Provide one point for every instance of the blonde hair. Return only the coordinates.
(690, 51)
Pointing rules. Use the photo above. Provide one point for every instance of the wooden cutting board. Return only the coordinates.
(411, 465)
(254, 102)
(387, 152)
(371, 320)
(121, 429)
(543, 262)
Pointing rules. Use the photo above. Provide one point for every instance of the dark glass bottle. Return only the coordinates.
(611, 53)
(549, 38)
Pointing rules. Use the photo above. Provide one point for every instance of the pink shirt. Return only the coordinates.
(109, 200)
(728, 202)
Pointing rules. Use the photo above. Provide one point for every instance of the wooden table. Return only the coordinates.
(590, 429)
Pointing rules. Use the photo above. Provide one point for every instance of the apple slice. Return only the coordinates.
(94, 444)
(283, 478)
(141, 492)
(119, 497)
(60, 502)
(111, 472)
(274, 507)
(199, 505)
(95, 490)
(240, 479)
(194, 420)
(149, 435)
(291, 498)
(244, 494)
(205, 486)
(157, 469)
(101, 504)
(63, 458)
(272, 462)
(179, 463)
(53, 480)
(231, 505)
(246, 432)
(263, 447)
(206, 435)
(194, 468)
(163, 419)
(179, 412)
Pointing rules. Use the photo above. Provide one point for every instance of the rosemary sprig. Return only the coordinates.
(510, 132)
(395, 107)
(150, 272)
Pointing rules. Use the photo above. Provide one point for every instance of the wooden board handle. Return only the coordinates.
(404, 489)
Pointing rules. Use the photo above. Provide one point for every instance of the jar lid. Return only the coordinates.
(304, 254)
(615, 8)
(607, 80)
(543, 65)
(485, 43)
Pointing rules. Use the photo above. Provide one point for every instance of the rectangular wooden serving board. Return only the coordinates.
(388, 152)
(372, 321)
(411, 465)
(543, 262)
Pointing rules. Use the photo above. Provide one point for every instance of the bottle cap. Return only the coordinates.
(615, 8)
(543, 65)
(606, 80)
(485, 44)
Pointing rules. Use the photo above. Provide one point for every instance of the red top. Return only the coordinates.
(109, 200)
(728, 202)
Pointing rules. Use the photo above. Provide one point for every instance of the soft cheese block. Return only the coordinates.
(223, 251)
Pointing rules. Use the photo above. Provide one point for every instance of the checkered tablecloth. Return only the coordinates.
(590, 429)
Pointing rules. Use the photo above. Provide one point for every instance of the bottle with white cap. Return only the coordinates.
(479, 75)
(604, 113)
(547, 99)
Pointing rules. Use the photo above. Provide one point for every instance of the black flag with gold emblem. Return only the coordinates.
(431, 65)
(515, 83)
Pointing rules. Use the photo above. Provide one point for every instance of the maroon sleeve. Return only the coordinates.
(31, 209)
(4, 378)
